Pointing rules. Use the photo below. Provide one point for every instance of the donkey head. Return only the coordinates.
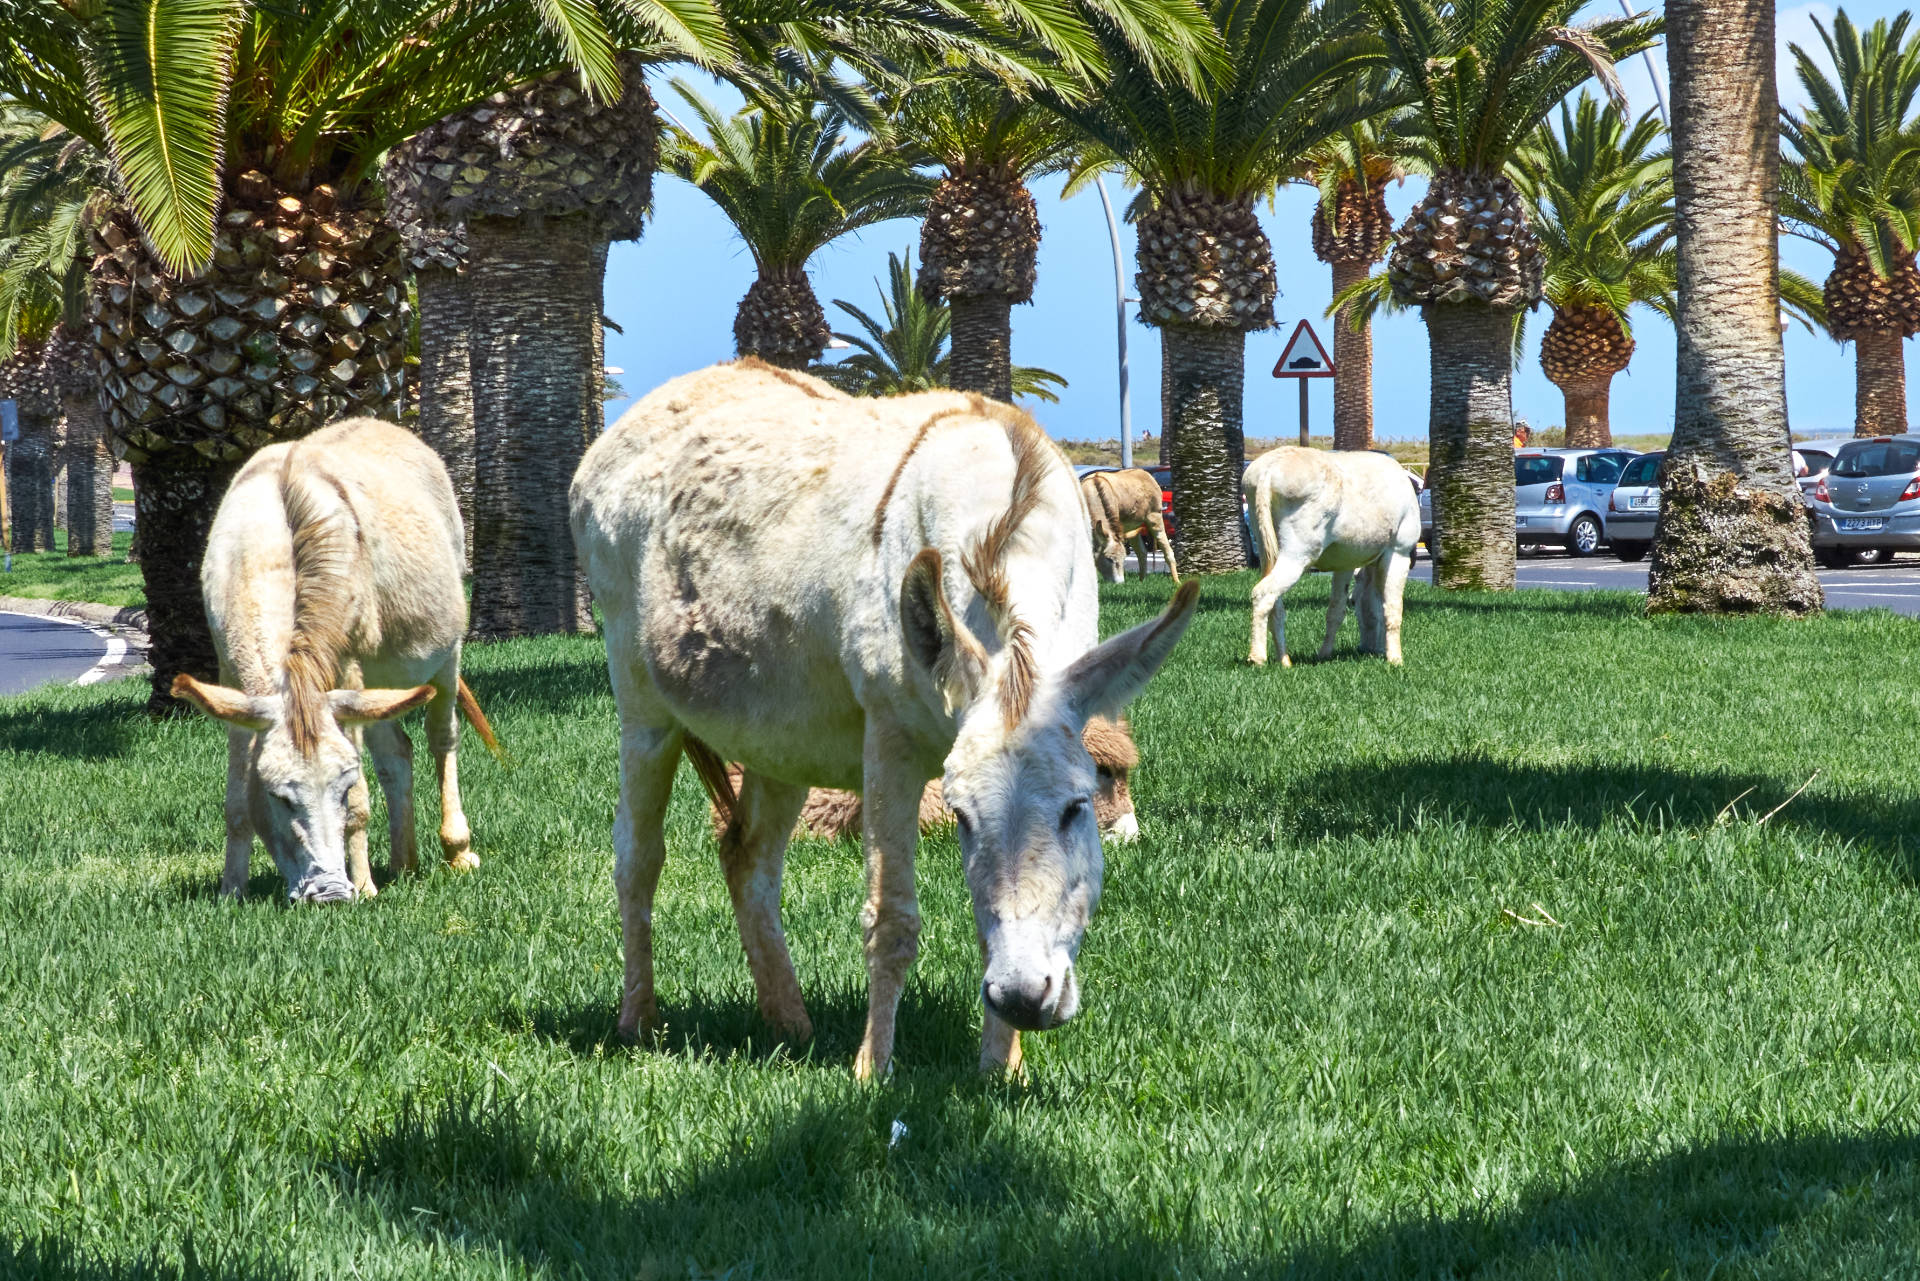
(301, 765)
(1023, 785)
(1109, 551)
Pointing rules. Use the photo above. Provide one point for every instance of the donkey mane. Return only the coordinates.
(1109, 516)
(985, 561)
(324, 543)
(810, 386)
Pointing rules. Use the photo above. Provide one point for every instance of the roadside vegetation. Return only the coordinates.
(56, 576)
(1471, 967)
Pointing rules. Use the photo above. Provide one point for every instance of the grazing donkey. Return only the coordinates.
(832, 813)
(1318, 509)
(1125, 507)
(858, 593)
(334, 564)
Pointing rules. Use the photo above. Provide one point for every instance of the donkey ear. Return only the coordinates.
(1106, 678)
(363, 706)
(236, 708)
(936, 641)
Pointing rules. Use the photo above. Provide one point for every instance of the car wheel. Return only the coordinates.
(1831, 557)
(1626, 550)
(1583, 536)
(1873, 556)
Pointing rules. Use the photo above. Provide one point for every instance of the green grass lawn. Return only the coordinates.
(56, 576)
(1316, 1041)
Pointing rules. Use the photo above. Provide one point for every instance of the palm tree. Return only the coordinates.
(50, 186)
(1351, 230)
(1600, 197)
(788, 178)
(1483, 74)
(904, 352)
(1852, 184)
(1733, 532)
(981, 238)
(247, 290)
(1203, 155)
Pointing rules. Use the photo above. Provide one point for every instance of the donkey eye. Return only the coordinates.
(1103, 773)
(1071, 815)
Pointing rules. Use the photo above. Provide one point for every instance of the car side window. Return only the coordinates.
(1598, 469)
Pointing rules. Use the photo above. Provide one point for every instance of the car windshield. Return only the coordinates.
(1644, 470)
(1878, 458)
(1816, 460)
(1599, 469)
(1536, 469)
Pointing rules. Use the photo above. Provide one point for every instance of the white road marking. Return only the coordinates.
(116, 648)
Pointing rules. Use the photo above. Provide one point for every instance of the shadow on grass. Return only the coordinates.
(939, 1027)
(96, 731)
(52, 1258)
(1487, 793)
(550, 682)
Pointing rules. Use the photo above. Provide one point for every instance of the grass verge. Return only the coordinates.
(56, 576)
(1492, 965)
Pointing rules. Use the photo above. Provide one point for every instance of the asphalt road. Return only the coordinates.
(38, 651)
(1895, 586)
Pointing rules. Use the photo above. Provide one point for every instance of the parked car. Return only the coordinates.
(1559, 495)
(1634, 506)
(1867, 506)
(1812, 458)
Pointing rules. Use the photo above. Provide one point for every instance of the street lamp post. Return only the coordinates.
(1120, 301)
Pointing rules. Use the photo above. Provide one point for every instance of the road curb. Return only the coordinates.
(131, 617)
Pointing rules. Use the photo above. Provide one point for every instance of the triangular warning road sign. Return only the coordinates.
(1304, 356)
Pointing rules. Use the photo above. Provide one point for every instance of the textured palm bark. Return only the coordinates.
(30, 467)
(1470, 467)
(1879, 385)
(982, 351)
(1206, 387)
(89, 478)
(174, 507)
(1166, 405)
(1732, 535)
(446, 379)
(1588, 424)
(535, 293)
(1352, 366)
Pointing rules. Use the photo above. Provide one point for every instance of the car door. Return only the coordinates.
(1533, 475)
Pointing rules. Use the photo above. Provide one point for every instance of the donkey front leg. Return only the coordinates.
(753, 850)
(1270, 610)
(1392, 579)
(1159, 527)
(359, 812)
(233, 877)
(890, 920)
(443, 740)
(393, 764)
(648, 756)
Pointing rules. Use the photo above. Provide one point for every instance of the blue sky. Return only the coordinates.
(674, 293)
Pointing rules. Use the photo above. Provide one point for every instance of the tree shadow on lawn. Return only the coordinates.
(938, 1027)
(548, 684)
(95, 731)
(54, 1258)
(1487, 793)
(824, 1190)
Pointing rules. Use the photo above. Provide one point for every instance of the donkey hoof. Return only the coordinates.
(463, 860)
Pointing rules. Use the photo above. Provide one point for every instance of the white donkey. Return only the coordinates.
(334, 563)
(857, 594)
(1339, 511)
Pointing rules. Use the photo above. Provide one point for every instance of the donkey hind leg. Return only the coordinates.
(753, 851)
(233, 877)
(1270, 609)
(890, 919)
(443, 740)
(1392, 580)
(393, 764)
(1158, 526)
(1336, 610)
(359, 810)
(648, 755)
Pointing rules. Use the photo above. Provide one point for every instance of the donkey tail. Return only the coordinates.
(470, 708)
(713, 777)
(1263, 516)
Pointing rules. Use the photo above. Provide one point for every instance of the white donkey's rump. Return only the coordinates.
(1339, 511)
(858, 594)
(333, 564)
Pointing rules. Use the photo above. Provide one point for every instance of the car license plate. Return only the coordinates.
(1863, 522)
(1643, 502)
(1519, 522)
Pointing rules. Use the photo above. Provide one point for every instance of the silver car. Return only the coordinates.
(1633, 508)
(1558, 497)
(1868, 504)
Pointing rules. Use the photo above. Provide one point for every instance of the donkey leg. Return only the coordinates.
(890, 919)
(359, 810)
(999, 1039)
(1366, 606)
(233, 877)
(1336, 610)
(753, 851)
(443, 740)
(1270, 609)
(1159, 527)
(648, 755)
(393, 764)
(1392, 583)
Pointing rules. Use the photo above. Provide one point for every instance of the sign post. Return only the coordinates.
(1304, 358)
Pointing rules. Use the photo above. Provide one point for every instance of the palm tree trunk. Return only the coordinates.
(1166, 404)
(446, 380)
(1352, 366)
(1879, 385)
(1470, 428)
(535, 298)
(983, 344)
(1733, 534)
(1588, 424)
(30, 483)
(89, 478)
(1206, 383)
(174, 511)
